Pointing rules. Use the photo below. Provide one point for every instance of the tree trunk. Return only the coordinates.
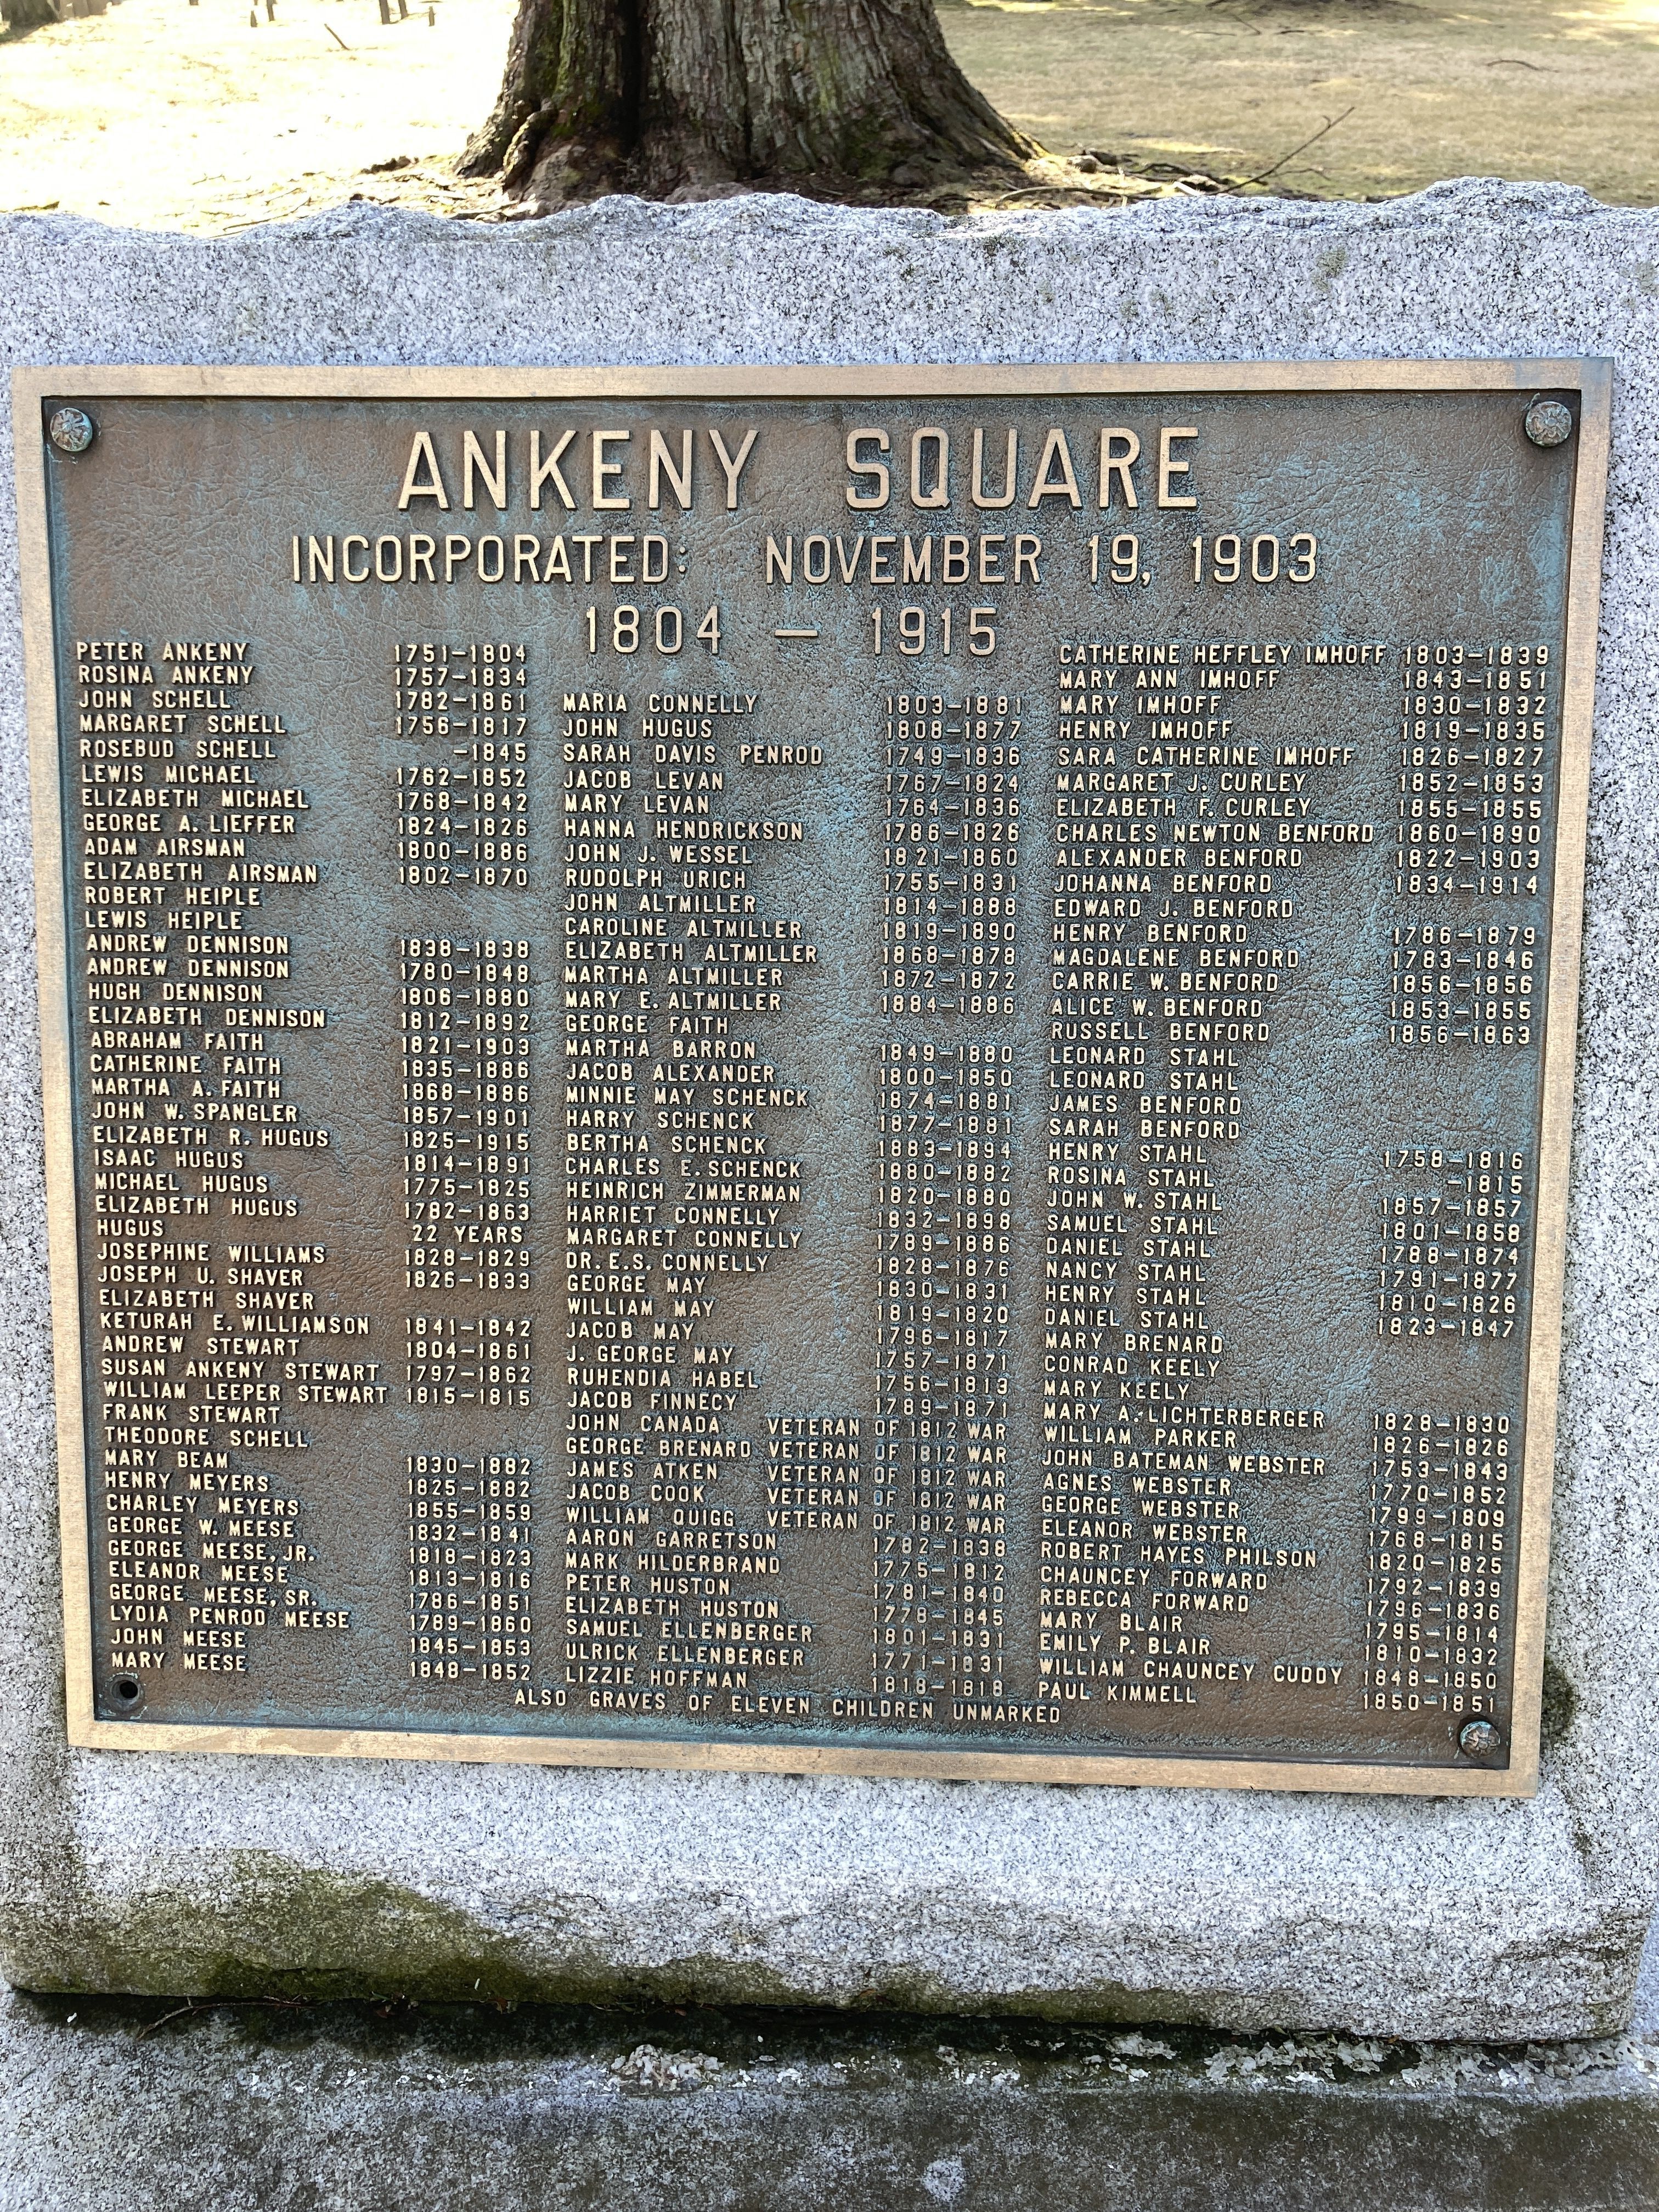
(683, 98)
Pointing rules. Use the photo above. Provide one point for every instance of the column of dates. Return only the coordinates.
(439, 1087)
(1467, 962)
(466, 1009)
(1455, 1251)
(1465, 983)
(989, 853)
(471, 1565)
(463, 801)
(951, 782)
(1475, 771)
(914, 1493)
(1442, 1511)
(983, 1104)
(462, 796)
(943, 1220)
(915, 1428)
(979, 1116)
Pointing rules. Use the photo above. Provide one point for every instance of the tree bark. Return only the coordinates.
(683, 98)
(29, 14)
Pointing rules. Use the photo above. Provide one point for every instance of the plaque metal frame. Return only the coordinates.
(1590, 379)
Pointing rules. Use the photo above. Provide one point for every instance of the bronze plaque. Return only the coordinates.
(856, 1070)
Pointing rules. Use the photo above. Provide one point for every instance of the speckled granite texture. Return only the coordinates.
(107, 2104)
(1404, 1916)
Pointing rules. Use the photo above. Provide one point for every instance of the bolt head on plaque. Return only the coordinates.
(973, 1031)
(71, 429)
(1549, 422)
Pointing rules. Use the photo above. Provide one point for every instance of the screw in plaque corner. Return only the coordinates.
(1549, 421)
(127, 1692)
(71, 429)
(1479, 1739)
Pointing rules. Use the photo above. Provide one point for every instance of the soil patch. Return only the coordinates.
(219, 115)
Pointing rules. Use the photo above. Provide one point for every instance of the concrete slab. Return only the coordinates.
(322, 2108)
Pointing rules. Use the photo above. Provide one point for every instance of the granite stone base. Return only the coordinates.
(1371, 1918)
(108, 2104)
